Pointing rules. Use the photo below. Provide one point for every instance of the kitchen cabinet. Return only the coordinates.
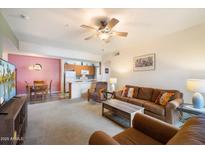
(91, 70)
(78, 68)
(79, 89)
(69, 67)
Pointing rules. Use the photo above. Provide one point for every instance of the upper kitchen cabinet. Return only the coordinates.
(79, 68)
(69, 67)
(91, 70)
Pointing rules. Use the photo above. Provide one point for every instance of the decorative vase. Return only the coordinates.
(198, 101)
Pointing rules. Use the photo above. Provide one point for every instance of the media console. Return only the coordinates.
(13, 121)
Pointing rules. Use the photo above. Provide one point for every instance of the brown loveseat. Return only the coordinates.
(150, 131)
(146, 97)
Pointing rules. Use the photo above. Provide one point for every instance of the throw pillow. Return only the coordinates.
(130, 92)
(165, 98)
(124, 92)
(157, 101)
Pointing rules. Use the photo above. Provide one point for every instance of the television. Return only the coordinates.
(7, 82)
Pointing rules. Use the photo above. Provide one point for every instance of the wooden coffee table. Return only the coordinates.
(122, 109)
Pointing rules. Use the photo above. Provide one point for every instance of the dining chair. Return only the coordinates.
(50, 86)
(29, 89)
(40, 88)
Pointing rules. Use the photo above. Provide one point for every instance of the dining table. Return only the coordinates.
(36, 89)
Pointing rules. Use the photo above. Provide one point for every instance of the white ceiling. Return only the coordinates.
(47, 26)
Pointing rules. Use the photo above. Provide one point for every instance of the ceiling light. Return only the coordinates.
(104, 36)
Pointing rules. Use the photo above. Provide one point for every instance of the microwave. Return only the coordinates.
(85, 72)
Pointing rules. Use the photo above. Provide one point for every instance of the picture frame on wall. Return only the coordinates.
(144, 62)
(107, 70)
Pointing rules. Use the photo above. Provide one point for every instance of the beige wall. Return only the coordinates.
(7, 33)
(8, 40)
(179, 56)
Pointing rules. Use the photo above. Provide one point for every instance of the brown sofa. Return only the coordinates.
(151, 131)
(146, 97)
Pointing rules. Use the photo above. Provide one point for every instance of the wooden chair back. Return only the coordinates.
(27, 87)
(93, 87)
(38, 82)
(50, 86)
(101, 85)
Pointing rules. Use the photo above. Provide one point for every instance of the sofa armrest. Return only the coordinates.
(101, 138)
(172, 115)
(117, 93)
(154, 128)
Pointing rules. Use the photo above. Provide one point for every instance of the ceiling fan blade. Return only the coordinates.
(123, 34)
(112, 23)
(88, 27)
(89, 37)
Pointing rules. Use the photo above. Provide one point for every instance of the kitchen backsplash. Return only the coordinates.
(88, 76)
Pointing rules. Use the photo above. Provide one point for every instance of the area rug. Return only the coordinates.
(66, 121)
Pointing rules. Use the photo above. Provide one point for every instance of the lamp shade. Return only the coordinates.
(113, 80)
(196, 85)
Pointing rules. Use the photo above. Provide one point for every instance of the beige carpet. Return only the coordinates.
(66, 122)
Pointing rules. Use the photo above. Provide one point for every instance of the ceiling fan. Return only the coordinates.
(104, 31)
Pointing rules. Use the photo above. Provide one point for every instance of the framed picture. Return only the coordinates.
(107, 70)
(144, 62)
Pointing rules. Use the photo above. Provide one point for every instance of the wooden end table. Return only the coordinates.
(190, 110)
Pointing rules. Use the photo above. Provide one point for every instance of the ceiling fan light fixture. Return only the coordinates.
(104, 36)
(104, 32)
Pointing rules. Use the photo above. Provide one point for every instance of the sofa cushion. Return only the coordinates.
(155, 95)
(132, 136)
(154, 108)
(138, 102)
(122, 98)
(177, 93)
(145, 93)
(166, 97)
(136, 89)
(191, 133)
(130, 92)
(157, 101)
(125, 92)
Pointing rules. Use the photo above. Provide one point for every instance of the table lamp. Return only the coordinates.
(113, 81)
(197, 86)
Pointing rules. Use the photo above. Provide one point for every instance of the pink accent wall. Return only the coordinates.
(51, 70)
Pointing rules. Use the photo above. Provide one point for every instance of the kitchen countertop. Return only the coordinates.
(88, 80)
